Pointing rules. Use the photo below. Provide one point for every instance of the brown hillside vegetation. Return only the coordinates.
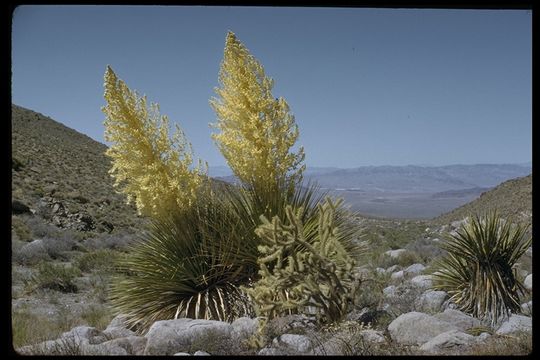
(512, 198)
(52, 163)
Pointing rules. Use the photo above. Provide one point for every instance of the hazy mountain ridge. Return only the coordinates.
(416, 179)
(410, 178)
(54, 162)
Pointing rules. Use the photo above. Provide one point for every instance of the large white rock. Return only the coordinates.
(82, 334)
(243, 328)
(201, 353)
(133, 345)
(447, 340)
(117, 332)
(483, 337)
(528, 282)
(293, 343)
(393, 268)
(415, 328)
(526, 308)
(514, 324)
(458, 319)
(49, 347)
(119, 321)
(168, 337)
(414, 269)
(270, 351)
(104, 349)
(398, 275)
(394, 254)
(423, 281)
(372, 336)
(431, 301)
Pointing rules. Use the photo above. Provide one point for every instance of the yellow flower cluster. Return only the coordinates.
(148, 166)
(256, 130)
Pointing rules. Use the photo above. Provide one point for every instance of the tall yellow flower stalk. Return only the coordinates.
(148, 166)
(257, 130)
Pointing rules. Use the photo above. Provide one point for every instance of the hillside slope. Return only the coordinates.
(62, 175)
(513, 198)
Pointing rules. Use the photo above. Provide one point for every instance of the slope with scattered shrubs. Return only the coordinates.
(52, 161)
(512, 198)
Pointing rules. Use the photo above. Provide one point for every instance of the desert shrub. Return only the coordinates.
(116, 241)
(406, 259)
(371, 295)
(403, 300)
(31, 328)
(99, 260)
(519, 343)
(97, 316)
(478, 271)
(400, 234)
(346, 339)
(217, 343)
(16, 163)
(28, 253)
(57, 247)
(28, 328)
(41, 229)
(19, 226)
(55, 277)
(426, 250)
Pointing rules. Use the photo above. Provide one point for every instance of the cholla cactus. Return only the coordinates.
(256, 130)
(148, 166)
(297, 274)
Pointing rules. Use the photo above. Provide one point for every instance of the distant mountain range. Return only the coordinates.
(52, 164)
(408, 179)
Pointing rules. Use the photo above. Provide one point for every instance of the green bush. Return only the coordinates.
(102, 259)
(478, 271)
(97, 316)
(55, 277)
(21, 229)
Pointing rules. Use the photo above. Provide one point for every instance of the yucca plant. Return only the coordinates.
(192, 263)
(202, 246)
(187, 265)
(478, 271)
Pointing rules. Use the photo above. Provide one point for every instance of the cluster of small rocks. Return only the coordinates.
(423, 318)
(430, 334)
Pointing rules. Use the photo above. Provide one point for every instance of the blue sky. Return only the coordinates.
(367, 86)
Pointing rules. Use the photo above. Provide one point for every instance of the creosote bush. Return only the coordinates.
(478, 272)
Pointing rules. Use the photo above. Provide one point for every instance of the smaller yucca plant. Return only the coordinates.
(478, 273)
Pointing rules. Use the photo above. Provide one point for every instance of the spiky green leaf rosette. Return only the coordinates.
(478, 273)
